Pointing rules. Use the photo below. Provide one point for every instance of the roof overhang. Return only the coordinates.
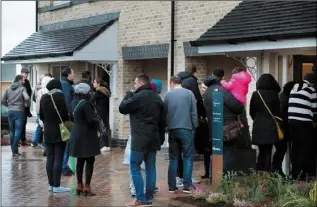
(307, 45)
(103, 48)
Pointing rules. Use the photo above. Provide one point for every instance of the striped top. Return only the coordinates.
(302, 102)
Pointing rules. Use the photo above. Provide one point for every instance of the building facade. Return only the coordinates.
(120, 39)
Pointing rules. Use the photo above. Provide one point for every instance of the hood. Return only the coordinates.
(243, 77)
(288, 87)
(104, 90)
(54, 84)
(16, 85)
(267, 82)
(302, 85)
(210, 80)
(184, 75)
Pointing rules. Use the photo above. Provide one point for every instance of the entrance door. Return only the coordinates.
(302, 65)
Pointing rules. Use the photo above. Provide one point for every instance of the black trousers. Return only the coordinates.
(54, 162)
(207, 163)
(89, 169)
(278, 157)
(264, 157)
(23, 133)
(303, 147)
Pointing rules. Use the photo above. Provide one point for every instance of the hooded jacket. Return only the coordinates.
(16, 97)
(238, 85)
(190, 82)
(231, 106)
(41, 92)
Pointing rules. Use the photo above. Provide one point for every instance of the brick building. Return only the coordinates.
(120, 39)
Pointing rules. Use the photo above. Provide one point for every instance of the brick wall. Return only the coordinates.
(144, 23)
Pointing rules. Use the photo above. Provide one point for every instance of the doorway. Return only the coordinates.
(303, 64)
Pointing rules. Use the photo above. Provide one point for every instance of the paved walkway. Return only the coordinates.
(24, 181)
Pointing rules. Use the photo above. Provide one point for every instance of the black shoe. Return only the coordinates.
(205, 176)
(67, 172)
(16, 154)
(24, 144)
(174, 190)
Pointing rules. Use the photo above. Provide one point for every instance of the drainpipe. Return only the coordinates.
(172, 36)
(36, 16)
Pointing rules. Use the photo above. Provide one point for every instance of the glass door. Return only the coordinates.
(302, 65)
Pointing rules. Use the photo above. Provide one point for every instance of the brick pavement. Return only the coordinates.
(24, 181)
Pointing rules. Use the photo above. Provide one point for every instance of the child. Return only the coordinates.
(238, 84)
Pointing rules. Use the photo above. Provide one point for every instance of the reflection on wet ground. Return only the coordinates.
(24, 181)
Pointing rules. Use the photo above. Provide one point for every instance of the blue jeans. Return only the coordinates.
(228, 157)
(16, 120)
(149, 159)
(180, 140)
(66, 158)
(37, 132)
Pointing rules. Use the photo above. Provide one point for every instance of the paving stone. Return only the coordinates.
(24, 181)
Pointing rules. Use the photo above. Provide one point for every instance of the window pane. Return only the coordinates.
(59, 2)
(56, 72)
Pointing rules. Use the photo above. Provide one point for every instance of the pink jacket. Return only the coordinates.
(238, 85)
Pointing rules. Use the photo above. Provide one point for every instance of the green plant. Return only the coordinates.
(292, 199)
(216, 198)
(229, 187)
(276, 185)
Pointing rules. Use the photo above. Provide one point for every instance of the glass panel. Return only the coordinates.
(55, 3)
(56, 72)
(307, 68)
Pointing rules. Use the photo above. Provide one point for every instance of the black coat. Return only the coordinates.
(264, 128)
(84, 141)
(190, 82)
(232, 108)
(50, 118)
(147, 121)
(28, 88)
(101, 100)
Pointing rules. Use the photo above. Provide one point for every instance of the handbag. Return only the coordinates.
(102, 129)
(65, 134)
(232, 131)
(278, 127)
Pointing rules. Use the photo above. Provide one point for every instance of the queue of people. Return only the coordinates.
(281, 118)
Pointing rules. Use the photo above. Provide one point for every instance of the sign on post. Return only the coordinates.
(217, 137)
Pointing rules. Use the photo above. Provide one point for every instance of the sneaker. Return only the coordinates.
(50, 188)
(179, 182)
(24, 144)
(33, 145)
(138, 204)
(189, 190)
(172, 190)
(105, 149)
(60, 189)
(16, 154)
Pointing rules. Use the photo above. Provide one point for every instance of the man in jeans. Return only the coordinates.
(67, 81)
(147, 124)
(16, 99)
(182, 119)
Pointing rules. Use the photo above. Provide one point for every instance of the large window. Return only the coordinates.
(56, 70)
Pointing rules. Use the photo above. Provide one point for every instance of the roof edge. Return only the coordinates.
(27, 57)
(198, 43)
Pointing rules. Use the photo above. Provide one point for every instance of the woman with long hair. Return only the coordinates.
(101, 100)
(84, 142)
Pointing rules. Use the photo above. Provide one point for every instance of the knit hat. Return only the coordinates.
(309, 77)
(158, 84)
(82, 88)
(153, 86)
(54, 84)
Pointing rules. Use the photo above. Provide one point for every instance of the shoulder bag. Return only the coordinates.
(279, 129)
(65, 134)
(102, 129)
(232, 131)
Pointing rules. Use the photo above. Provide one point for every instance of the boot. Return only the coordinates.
(79, 188)
(87, 191)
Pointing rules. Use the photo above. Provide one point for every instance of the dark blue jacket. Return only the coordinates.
(68, 91)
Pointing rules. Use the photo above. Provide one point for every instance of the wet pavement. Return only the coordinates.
(24, 181)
